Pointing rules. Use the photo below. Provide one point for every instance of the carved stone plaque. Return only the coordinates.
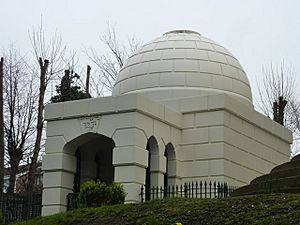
(89, 124)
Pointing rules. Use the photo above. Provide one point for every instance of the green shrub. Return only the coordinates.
(116, 194)
(93, 194)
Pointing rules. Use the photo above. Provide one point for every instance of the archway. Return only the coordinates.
(170, 158)
(153, 155)
(93, 154)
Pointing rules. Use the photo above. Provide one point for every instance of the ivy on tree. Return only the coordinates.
(66, 91)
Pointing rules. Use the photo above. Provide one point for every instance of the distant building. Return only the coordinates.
(22, 177)
(181, 110)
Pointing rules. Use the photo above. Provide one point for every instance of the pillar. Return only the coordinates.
(59, 169)
(130, 159)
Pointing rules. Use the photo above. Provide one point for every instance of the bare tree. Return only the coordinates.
(19, 112)
(278, 99)
(49, 55)
(2, 151)
(110, 62)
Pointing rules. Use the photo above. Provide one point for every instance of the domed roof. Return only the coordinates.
(183, 63)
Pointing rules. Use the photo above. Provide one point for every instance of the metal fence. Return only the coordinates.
(17, 207)
(188, 190)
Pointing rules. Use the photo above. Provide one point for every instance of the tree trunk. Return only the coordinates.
(40, 121)
(1, 132)
(12, 175)
(16, 156)
(87, 84)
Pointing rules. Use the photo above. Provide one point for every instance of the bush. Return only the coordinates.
(93, 194)
(116, 194)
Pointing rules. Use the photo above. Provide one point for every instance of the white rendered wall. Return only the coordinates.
(215, 138)
(129, 121)
(224, 141)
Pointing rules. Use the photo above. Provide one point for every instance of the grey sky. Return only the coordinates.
(255, 31)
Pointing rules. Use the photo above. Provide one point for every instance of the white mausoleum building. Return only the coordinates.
(181, 110)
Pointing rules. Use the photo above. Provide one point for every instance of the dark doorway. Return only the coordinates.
(76, 183)
(148, 185)
(152, 148)
(166, 176)
(93, 159)
(170, 157)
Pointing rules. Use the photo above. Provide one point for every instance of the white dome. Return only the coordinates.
(183, 63)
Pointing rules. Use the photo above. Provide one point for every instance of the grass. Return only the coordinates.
(259, 209)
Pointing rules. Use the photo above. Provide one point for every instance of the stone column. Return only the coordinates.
(59, 169)
(130, 159)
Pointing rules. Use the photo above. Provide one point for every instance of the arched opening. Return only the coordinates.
(170, 159)
(93, 154)
(153, 152)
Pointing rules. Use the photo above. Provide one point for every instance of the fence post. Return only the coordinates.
(205, 186)
(222, 190)
(181, 190)
(215, 194)
(185, 190)
(270, 183)
(173, 191)
(201, 189)
(153, 193)
(142, 193)
(209, 189)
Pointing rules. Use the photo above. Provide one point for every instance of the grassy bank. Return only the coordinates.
(261, 209)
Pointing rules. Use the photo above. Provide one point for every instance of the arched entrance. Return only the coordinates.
(153, 154)
(170, 159)
(93, 159)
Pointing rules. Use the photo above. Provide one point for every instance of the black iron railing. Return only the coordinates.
(17, 207)
(188, 190)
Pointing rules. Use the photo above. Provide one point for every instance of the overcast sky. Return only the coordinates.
(255, 31)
